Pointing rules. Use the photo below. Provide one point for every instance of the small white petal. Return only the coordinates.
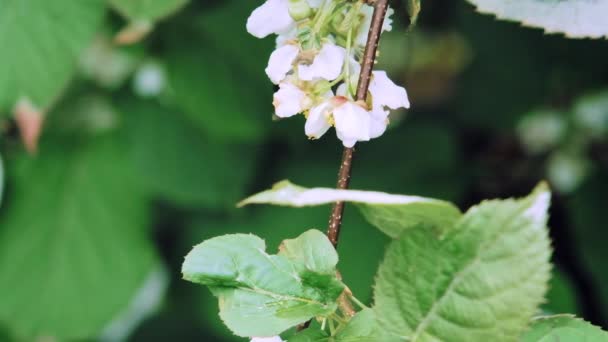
(327, 64)
(352, 123)
(285, 37)
(267, 339)
(280, 62)
(386, 93)
(378, 122)
(317, 123)
(272, 17)
(289, 100)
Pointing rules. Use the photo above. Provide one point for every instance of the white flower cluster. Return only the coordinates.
(316, 65)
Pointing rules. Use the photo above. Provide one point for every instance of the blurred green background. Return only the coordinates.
(147, 147)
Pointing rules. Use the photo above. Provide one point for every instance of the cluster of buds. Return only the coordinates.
(316, 65)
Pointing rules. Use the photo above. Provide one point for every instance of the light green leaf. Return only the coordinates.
(313, 250)
(481, 281)
(148, 10)
(392, 214)
(310, 335)
(413, 9)
(574, 18)
(261, 294)
(177, 162)
(563, 328)
(42, 41)
(1, 179)
(73, 244)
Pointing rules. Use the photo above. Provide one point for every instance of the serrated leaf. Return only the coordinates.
(73, 243)
(43, 40)
(392, 214)
(148, 10)
(177, 162)
(261, 294)
(481, 281)
(574, 18)
(563, 328)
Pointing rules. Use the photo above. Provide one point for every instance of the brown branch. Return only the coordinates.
(367, 65)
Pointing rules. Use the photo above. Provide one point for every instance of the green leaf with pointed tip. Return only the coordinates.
(392, 214)
(563, 328)
(413, 9)
(150, 10)
(261, 294)
(45, 39)
(482, 279)
(74, 248)
(574, 18)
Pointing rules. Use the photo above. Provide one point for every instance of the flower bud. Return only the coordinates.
(299, 9)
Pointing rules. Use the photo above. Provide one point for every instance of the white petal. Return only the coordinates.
(352, 123)
(272, 17)
(267, 339)
(386, 93)
(368, 12)
(280, 62)
(327, 64)
(378, 122)
(289, 100)
(317, 123)
(283, 38)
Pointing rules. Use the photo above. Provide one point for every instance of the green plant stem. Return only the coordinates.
(367, 65)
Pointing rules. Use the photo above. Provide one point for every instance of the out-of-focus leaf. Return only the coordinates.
(261, 294)
(563, 328)
(178, 162)
(588, 209)
(574, 18)
(484, 278)
(562, 296)
(392, 214)
(73, 244)
(217, 94)
(1, 180)
(149, 10)
(413, 9)
(591, 113)
(42, 40)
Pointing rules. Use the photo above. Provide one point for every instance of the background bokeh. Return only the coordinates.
(150, 145)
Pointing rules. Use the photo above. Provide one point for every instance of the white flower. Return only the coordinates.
(385, 93)
(281, 62)
(272, 17)
(327, 64)
(352, 123)
(378, 122)
(290, 100)
(319, 120)
(366, 23)
(266, 339)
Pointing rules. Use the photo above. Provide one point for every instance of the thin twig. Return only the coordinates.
(367, 65)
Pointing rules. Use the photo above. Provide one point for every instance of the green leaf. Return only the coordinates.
(147, 10)
(261, 294)
(74, 248)
(563, 328)
(313, 250)
(1, 180)
(177, 161)
(574, 18)
(392, 214)
(45, 39)
(482, 279)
